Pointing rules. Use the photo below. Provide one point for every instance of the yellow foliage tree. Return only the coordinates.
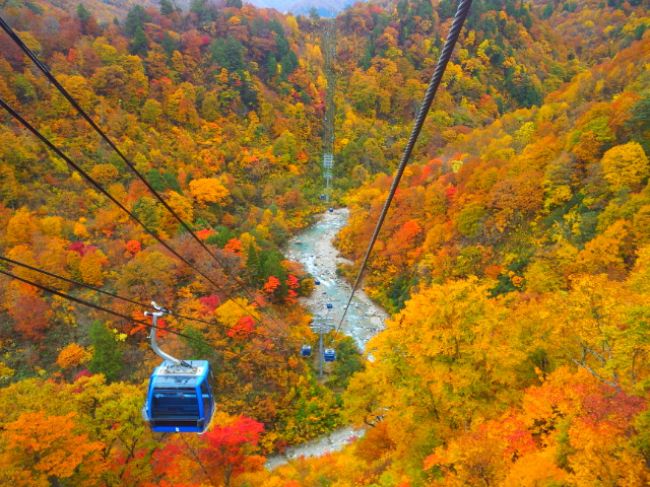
(91, 267)
(104, 173)
(625, 166)
(432, 362)
(6, 372)
(42, 450)
(181, 205)
(72, 356)
(21, 227)
(209, 191)
(80, 231)
(52, 226)
(639, 279)
(603, 253)
(230, 312)
(601, 326)
(641, 225)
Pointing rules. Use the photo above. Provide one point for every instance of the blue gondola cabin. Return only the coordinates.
(329, 355)
(180, 399)
(305, 351)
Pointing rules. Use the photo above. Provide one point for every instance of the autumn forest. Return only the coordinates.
(514, 262)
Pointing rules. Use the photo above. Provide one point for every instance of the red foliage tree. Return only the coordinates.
(210, 303)
(31, 315)
(133, 247)
(228, 449)
(243, 328)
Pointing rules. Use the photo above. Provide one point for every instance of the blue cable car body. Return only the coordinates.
(305, 351)
(180, 399)
(330, 306)
(329, 355)
(317, 282)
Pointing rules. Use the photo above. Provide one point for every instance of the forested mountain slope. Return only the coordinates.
(515, 259)
(468, 175)
(520, 355)
(220, 109)
(510, 55)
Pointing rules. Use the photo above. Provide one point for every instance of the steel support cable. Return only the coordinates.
(117, 296)
(83, 302)
(48, 74)
(10, 32)
(436, 78)
(99, 188)
(19, 42)
(96, 185)
(108, 310)
(97, 289)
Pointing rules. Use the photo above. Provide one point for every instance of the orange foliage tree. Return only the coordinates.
(37, 449)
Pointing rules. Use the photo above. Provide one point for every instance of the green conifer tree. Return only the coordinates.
(107, 356)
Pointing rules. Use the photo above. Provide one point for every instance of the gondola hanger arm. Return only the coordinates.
(159, 312)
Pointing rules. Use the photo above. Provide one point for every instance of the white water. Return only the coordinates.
(335, 441)
(315, 250)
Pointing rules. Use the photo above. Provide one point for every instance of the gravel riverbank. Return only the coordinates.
(314, 248)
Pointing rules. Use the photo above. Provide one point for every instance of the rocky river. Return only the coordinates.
(314, 248)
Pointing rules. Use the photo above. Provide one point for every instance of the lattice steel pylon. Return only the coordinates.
(328, 161)
(328, 165)
(329, 50)
(322, 326)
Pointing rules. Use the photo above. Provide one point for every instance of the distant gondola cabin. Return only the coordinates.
(329, 355)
